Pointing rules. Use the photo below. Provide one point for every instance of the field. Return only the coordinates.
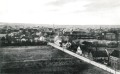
(27, 60)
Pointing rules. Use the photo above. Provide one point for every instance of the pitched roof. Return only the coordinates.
(2, 35)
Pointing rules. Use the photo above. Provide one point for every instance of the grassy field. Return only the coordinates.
(20, 54)
(30, 53)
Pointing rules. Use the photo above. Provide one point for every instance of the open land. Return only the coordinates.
(27, 59)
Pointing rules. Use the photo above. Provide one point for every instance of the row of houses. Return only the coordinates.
(24, 36)
(109, 36)
(36, 32)
(88, 34)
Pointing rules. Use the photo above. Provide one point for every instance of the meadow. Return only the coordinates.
(27, 60)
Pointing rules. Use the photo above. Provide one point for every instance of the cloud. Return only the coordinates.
(96, 5)
(79, 6)
(99, 6)
(60, 11)
(67, 6)
(61, 2)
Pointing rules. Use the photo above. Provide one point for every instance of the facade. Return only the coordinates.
(110, 36)
(81, 35)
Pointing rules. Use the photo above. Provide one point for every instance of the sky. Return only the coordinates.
(61, 12)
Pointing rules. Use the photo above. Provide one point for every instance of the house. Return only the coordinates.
(115, 59)
(100, 54)
(110, 36)
(57, 40)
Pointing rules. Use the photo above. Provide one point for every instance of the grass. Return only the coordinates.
(30, 53)
(12, 54)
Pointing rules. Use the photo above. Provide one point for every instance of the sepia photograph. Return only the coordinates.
(59, 36)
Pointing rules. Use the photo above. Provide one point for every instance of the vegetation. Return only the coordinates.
(12, 54)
